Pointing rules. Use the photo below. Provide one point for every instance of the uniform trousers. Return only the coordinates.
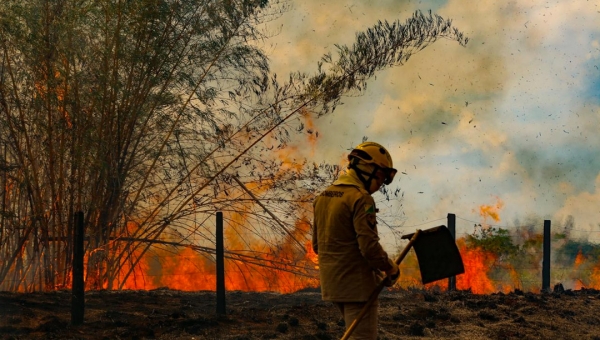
(367, 327)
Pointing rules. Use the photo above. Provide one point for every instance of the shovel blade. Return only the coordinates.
(437, 254)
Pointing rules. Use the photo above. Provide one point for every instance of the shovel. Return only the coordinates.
(438, 259)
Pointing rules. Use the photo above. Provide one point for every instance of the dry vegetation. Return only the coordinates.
(405, 314)
(149, 119)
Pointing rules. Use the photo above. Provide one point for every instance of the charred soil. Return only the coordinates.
(404, 314)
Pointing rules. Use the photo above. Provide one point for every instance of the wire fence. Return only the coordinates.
(501, 258)
(497, 258)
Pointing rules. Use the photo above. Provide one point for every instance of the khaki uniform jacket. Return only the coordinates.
(346, 240)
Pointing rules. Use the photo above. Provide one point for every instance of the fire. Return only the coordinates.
(254, 269)
(288, 159)
(251, 264)
(311, 255)
(579, 259)
(187, 270)
(477, 263)
(491, 211)
(291, 155)
(478, 276)
(595, 277)
(138, 279)
(581, 265)
(257, 258)
(410, 275)
(313, 134)
(60, 91)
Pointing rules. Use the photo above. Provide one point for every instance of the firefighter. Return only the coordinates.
(345, 237)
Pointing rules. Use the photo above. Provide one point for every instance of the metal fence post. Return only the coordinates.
(220, 265)
(546, 259)
(452, 229)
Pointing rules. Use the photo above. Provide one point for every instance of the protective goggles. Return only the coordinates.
(389, 174)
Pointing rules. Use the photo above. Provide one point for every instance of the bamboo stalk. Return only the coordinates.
(189, 98)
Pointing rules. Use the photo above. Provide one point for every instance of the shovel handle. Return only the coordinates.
(378, 289)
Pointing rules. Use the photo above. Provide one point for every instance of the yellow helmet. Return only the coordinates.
(374, 153)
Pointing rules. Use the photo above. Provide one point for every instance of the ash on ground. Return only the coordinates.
(404, 314)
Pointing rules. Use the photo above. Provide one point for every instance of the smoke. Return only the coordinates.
(513, 115)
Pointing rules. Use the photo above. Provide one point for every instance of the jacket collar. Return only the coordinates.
(350, 177)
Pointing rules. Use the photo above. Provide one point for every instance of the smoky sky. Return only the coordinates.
(513, 116)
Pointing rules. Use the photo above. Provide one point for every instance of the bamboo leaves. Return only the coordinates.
(151, 115)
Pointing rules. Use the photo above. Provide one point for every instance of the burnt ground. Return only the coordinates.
(405, 314)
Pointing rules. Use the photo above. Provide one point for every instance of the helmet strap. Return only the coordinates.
(371, 175)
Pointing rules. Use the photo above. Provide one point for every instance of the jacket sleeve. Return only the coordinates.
(365, 225)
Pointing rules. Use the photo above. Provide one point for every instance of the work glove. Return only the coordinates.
(392, 275)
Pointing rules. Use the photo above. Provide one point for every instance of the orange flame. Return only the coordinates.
(311, 255)
(476, 277)
(579, 262)
(289, 160)
(60, 92)
(251, 264)
(188, 270)
(579, 259)
(477, 263)
(313, 134)
(595, 277)
(491, 211)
